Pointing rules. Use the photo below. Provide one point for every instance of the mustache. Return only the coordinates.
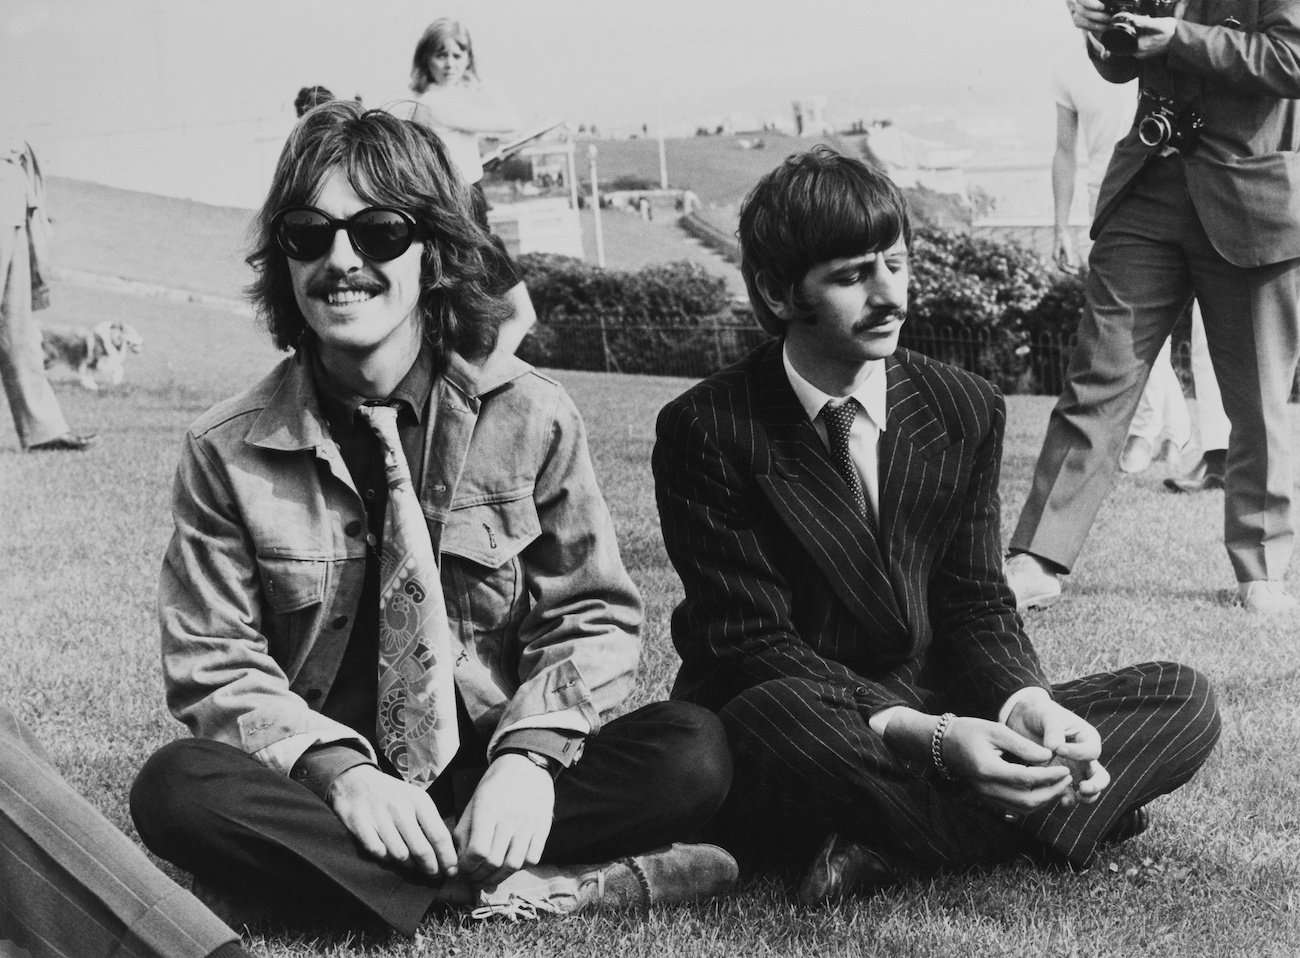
(879, 318)
(352, 282)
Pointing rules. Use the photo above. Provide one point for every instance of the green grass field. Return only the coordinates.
(81, 537)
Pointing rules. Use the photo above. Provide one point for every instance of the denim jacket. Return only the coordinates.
(264, 571)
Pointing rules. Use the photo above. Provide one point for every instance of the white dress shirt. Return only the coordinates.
(868, 424)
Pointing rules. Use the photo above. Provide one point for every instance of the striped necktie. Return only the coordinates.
(839, 420)
(416, 724)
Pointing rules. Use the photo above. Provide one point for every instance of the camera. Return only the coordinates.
(1163, 126)
(1120, 38)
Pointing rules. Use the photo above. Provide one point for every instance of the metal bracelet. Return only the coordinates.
(936, 746)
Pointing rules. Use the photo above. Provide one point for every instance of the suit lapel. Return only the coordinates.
(914, 434)
(815, 503)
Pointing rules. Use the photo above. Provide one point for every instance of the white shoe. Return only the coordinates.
(1265, 597)
(1035, 586)
(1136, 456)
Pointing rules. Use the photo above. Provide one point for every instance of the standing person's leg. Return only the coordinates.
(1212, 422)
(1162, 411)
(72, 884)
(1138, 284)
(36, 413)
(1253, 331)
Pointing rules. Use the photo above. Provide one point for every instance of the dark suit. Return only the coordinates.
(797, 626)
(1221, 222)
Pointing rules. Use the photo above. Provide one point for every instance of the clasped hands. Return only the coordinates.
(1153, 33)
(503, 829)
(1044, 755)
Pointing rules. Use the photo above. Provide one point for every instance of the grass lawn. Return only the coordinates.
(80, 542)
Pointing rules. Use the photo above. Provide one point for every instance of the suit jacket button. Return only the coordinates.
(860, 690)
(1232, 23)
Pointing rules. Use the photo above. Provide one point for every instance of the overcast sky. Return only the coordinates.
(130, 61)
(107, 69)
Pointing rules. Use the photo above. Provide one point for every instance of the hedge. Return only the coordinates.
(987, 305)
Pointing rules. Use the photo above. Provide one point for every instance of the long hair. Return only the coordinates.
(814, 207)
(437, 35)
(388, 162)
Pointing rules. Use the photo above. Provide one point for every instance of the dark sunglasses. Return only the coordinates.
(379, 233)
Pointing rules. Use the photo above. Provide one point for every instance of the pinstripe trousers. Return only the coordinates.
(72, 885)
(808, 764)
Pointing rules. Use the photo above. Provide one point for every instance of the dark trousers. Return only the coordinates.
(1151, 257)
(808, 764)
(71, 883)
(648, 778)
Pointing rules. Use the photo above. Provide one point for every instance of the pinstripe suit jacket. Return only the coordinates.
(784, 579)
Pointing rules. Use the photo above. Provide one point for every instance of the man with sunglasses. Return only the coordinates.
(368, 747)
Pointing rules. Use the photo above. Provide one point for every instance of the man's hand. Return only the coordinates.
(507, 822)
(1089, 15)
(1154, 33)
(1005, 767)
(393, 821)
(1072, 742)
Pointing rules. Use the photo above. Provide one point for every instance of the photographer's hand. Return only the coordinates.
(1154, 33)
(1089, 15)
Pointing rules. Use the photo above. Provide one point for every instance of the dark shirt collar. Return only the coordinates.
(339, 402)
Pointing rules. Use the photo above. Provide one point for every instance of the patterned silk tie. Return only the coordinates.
(417, 703)
(839, 420)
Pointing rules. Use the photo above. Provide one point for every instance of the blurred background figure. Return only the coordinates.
(24, 266)
(310, 96)
(1098, 113)
(455, 103)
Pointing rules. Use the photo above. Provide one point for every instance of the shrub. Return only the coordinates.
(659, 319)
(982, 304)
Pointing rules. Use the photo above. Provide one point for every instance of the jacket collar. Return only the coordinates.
(291, 418)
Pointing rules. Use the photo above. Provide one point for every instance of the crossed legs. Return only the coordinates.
(647, 779)
(808, 764)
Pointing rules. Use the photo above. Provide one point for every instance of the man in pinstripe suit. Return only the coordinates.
(845, 610)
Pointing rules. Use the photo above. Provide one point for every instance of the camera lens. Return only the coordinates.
(1154, 130)
(1120, 38)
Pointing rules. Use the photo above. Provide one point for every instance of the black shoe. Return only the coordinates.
(68, 442)
(1129, 825)
(1206, 474)
(842, 867)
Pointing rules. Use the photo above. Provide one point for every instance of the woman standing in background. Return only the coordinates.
(455, 104)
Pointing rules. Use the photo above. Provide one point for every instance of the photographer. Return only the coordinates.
(1199, 199)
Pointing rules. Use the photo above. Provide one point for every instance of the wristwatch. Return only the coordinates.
(550, 766)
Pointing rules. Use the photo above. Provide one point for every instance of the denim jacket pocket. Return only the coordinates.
(291, 587)
(489, 586)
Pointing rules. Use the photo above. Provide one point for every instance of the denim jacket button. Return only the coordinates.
(339, 622)
(352, 528)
